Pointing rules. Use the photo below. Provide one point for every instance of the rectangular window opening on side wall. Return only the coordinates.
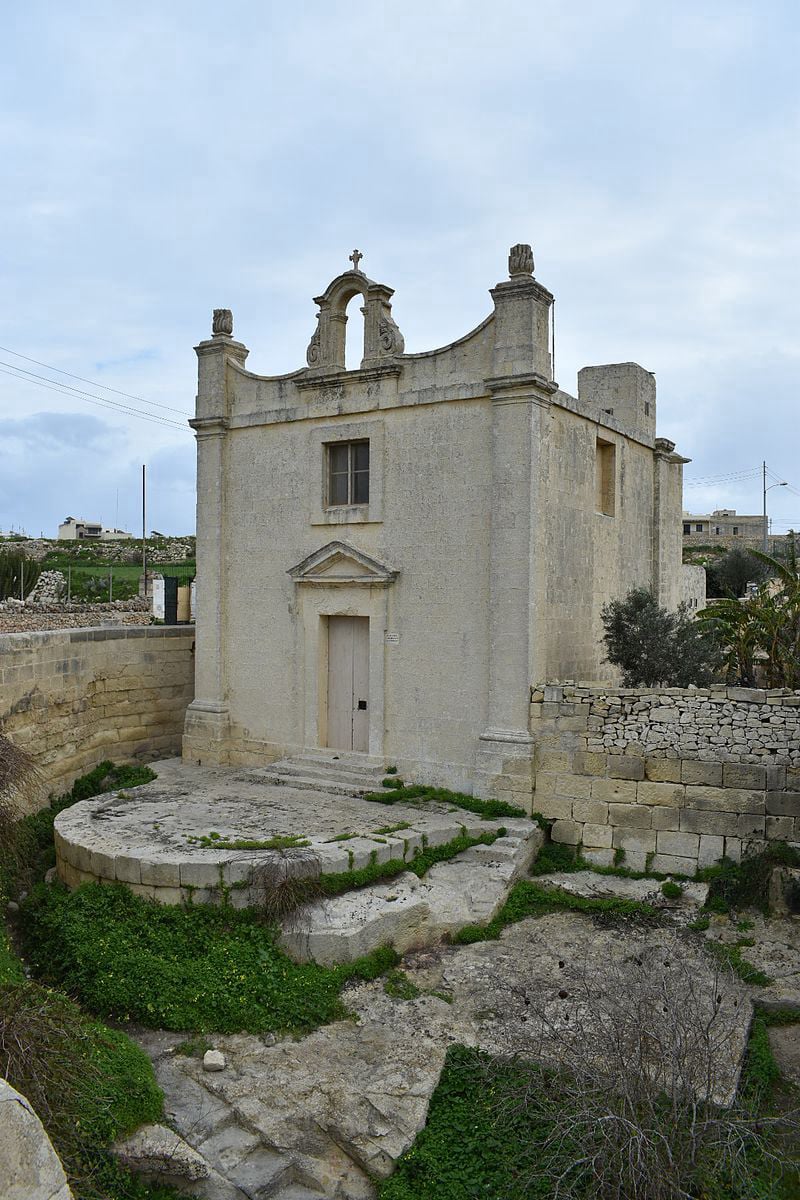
(347, 473)
(605, 477)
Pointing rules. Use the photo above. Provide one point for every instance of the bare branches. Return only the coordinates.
(636, 1088)
(20, 780)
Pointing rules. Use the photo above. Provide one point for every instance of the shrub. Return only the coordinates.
(653, 646)
(624, 1116)
(18, 573)
(746, 884)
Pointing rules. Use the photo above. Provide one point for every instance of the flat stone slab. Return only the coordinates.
(410, 912)
(345, 1102)
(775, 950)
(596, 885)
(144, 837)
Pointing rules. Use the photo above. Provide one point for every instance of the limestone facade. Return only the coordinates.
(442, 528)
(73, 697)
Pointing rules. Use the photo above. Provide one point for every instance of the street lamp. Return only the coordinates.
(766, 489)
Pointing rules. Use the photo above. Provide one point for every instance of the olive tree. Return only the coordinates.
(653, 646)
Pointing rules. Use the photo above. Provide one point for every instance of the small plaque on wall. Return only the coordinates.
(391, 639)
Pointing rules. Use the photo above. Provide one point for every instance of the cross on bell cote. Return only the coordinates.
(383, 341)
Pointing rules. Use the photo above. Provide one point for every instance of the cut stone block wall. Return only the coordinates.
(676, 779)
(73, 697)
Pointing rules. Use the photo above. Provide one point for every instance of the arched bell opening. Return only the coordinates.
(373, 336)
(354, 332)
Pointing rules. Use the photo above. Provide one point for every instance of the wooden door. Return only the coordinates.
(348, 683)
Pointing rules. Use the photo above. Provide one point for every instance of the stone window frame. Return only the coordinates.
(349, 474)
(605, 477)
(322, 436)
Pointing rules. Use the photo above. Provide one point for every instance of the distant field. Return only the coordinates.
(91, 580)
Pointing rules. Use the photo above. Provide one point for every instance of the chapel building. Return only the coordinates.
(390, 557)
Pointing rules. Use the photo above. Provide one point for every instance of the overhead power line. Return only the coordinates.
(76, 394)
(92, 382)
(712, 480)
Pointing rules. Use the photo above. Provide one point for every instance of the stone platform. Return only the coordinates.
(154, 839)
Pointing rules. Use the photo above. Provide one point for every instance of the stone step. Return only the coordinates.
(594, 885)
(311, 769)
(240, 1158)
(296, 1191)
(409, 912)
(315, 783)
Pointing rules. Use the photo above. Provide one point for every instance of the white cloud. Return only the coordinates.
(160, 161)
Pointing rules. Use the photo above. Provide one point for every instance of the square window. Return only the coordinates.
(699, 528)
(687, 527)
(348, 473)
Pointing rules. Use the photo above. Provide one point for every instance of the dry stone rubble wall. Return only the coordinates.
(675, 778)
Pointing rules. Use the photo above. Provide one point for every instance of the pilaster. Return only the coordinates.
(207, 721)
(667, 538)
(520, 388)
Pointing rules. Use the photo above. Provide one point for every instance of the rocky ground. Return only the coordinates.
(327, 1115)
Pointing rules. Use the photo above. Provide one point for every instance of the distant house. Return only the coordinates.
(725, 527)
(73, 530)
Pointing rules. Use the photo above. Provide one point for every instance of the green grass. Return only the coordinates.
(88, 1084)
(398, 985)
(88, 575)
(556, 856)
(199, 968)
(464, 1151)
(397, 793)
(477, 1142)
(731, 956)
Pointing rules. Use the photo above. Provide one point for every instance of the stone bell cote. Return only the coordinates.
(383, 341)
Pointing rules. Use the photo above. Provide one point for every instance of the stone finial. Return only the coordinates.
(520, 260)
(222, 324)
(355, 259)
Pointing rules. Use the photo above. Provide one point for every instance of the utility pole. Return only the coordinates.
(144, 533)
(765, 489)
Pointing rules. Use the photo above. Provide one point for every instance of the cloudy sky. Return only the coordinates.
(161, 159)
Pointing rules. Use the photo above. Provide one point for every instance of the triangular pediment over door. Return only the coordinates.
(338, 563)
